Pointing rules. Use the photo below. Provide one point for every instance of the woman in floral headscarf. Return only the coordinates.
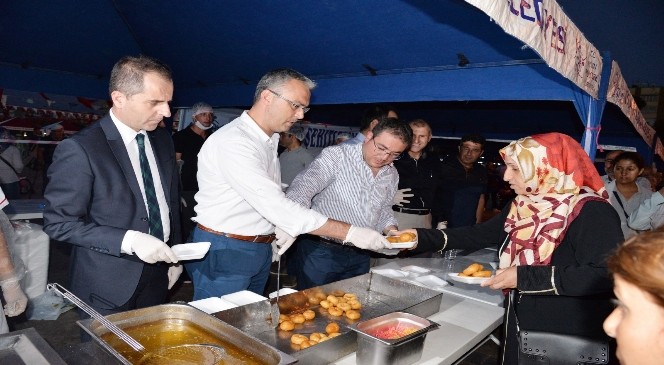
(553, 239)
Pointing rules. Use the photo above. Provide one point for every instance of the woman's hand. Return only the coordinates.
(504, 279)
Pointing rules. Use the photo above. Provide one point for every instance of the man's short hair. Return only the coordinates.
(420, 123)
(475, 138)
(395, 127)
(376, 111)
(128, 73)
(277, 78)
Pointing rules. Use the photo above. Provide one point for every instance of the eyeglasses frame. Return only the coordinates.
(293, 104)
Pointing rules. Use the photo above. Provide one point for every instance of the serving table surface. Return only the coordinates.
(467, 315)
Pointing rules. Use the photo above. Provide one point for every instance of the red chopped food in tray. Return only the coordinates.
(392, 332)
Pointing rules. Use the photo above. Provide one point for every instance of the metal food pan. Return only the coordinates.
(27, 347)
(378, 294)
(258, 349)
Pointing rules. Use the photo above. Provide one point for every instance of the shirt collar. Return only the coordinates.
(253, 128)
(126, 133)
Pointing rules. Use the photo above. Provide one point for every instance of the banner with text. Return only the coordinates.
(620, 95)
(543, 26)
(323, 135)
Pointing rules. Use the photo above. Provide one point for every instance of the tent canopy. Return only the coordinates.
(359, 52)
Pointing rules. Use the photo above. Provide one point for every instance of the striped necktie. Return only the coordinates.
(156, 228)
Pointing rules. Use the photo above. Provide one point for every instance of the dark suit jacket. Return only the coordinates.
(93, 198)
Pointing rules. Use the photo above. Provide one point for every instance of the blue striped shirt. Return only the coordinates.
(339, 184)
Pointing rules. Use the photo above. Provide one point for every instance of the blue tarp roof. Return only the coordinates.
(359, 52)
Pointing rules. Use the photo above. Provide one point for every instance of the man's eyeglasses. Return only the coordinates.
(293, 104)
(392, 155)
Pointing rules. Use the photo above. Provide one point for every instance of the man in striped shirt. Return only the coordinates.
(352, 183)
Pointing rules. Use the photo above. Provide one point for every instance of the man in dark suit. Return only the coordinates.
(113, 194)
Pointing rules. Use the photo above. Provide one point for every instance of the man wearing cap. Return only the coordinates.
(240, 207)
(188, 143)
(296, 157)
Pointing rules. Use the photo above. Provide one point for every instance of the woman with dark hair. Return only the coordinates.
(553, 241)
(624, 193)
(637, 322)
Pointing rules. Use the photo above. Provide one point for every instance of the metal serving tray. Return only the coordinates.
(404, 350)
(27, 347)
(378, 294)
(230, 334)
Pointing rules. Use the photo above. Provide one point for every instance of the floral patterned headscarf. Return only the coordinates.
(559, 178)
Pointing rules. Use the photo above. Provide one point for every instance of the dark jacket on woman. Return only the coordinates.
(572, 295)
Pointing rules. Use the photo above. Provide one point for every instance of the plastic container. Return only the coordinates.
(376, 347)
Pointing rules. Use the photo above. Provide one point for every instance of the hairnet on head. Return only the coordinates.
(298, 132)
(200, 108)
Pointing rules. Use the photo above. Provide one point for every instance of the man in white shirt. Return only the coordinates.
(240, 200)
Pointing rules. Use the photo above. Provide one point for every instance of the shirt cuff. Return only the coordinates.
(127, 242)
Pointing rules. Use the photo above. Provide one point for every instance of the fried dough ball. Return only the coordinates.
(297, 338)
(407, 237)
(338, 293)
(325, 304)
(332, 328)
(344, 306)
(305, 344)
(350, 296)
(298, 318)
(309, 314)
(475, 267)
(287, 325)
(334, 334)
(392, 239)
(314, 301)
(482, 274)
(323, 338)
(353, 314)
(342, 300)
(315, 336)
(320, 295)
(332, 299)
(355, 304)
(335, 311)
(283, 317)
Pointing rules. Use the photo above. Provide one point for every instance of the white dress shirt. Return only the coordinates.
(129, 138)
(239, 182)
(649, 215)
(630, 206)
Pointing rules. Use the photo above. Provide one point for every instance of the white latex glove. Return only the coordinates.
(14, 296)
(400, 197)
(366, 238)
(174, 272)
(283, 241)
(150, 249)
